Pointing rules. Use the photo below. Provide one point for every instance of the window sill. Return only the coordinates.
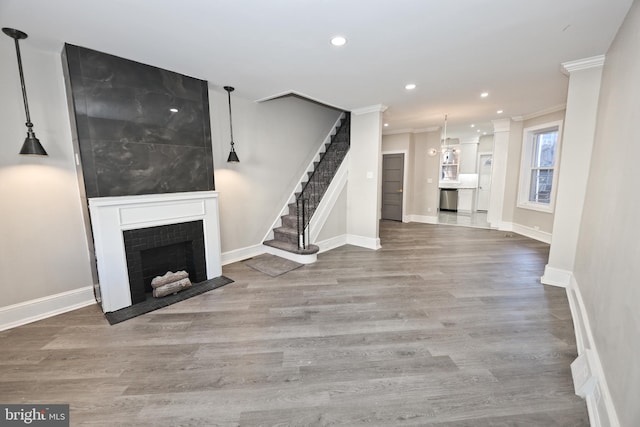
(536, 207)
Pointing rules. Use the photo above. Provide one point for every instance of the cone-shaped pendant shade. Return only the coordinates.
(32, 146)
(233, 157)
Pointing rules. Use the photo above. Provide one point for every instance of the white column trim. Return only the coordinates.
(582, 64)
(378, 108)
(498, 171)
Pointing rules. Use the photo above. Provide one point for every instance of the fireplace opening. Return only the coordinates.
(157, 261)
(153, 251)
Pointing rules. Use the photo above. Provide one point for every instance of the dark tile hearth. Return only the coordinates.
(152, 304)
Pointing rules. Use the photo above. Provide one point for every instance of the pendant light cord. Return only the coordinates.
(24, 89)
(230, 120)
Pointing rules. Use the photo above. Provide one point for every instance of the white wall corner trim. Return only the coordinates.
(582, 64)
(556, 277)
(241, 254)
(42, 308)
(501, 125)
(364, 242)
(300, 95)
(587, 371)
(332, 243)
(378, 108)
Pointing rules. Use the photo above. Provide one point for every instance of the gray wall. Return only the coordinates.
(43, 249)
(43, 245)
(606, 268)
(275, 142)
(511, 212)
(422, 196)
(336, 224)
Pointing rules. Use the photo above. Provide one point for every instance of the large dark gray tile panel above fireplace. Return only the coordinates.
(130, 142)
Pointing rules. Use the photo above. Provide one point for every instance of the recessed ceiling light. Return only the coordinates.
(410, 86)
(472, 125)
(484, 94)
(173, 110)
(499, 111)
(386, 125)
(338, 41)
(478, 130)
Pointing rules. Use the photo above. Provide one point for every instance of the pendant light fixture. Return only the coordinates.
(233, 157)
(31, 143)
(444, 138)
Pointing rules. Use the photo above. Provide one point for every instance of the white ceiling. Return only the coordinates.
(451, 49)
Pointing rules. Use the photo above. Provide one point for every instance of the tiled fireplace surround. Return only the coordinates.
(111, 216)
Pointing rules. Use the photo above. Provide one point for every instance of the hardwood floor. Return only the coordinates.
(443, 326)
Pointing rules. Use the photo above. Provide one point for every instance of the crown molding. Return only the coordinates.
(582, 64)
(554, 109)
(501, 125)
(397, 131)
(378, 108)
(429, 129)
(411, 130)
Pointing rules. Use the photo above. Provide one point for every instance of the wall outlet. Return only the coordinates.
(429, 180)
(428, 209)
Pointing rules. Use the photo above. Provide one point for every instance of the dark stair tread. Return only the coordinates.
(293, 248)
(286, 230)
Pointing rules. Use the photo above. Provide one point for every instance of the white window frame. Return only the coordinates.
(528, 141)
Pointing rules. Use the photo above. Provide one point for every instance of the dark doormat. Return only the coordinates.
(152, 304)
(272, 265)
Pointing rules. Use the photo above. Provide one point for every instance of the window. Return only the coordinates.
(539, 167)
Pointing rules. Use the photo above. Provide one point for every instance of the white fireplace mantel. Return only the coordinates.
(110, 216)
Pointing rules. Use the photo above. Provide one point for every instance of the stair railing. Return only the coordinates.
(312, 191)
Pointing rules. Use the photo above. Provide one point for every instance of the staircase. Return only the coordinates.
(292, 235)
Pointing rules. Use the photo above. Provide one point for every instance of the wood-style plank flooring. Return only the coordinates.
(444, 326)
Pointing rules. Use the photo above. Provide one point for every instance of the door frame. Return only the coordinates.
(480, 154)
(405, 217)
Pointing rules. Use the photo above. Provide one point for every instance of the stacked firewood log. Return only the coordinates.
(170, 283)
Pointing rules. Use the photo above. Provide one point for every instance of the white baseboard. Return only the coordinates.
(41, 308)
(241, 254)
(302, 259)
(364, 242)
(556, 277)
(532, 233)
(598, 397)
(332, 243)
(423, 219)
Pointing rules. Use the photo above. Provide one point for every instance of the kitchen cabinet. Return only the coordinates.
(450, 162)
(465, 199)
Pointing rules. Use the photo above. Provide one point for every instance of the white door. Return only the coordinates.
(484, 181)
